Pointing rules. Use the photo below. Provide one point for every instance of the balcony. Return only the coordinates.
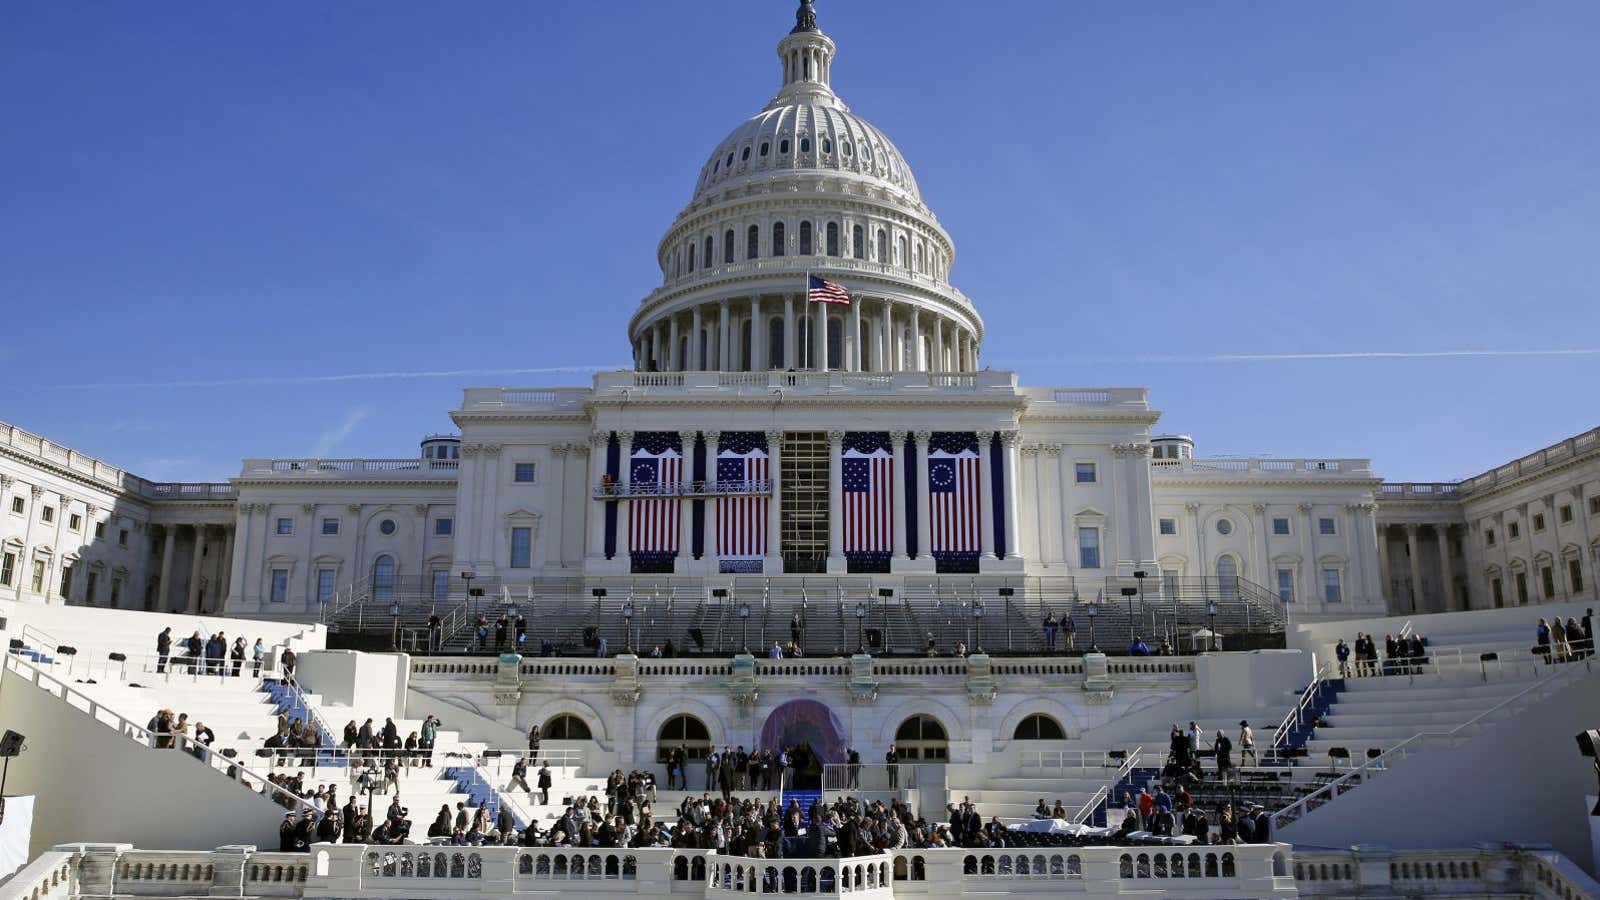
(1411, 490)
(684, 489)
(1220, 467)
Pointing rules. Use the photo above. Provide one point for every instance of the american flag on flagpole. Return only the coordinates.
(653, 521)
(953, 500)
(741, 519)
(821, 290)
(868, 482)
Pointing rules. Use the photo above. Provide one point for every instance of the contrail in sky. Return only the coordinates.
(280, 380)
(1180, 359)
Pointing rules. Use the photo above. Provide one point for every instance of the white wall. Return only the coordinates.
(1236, 682)
(94, 785)
(371, 684)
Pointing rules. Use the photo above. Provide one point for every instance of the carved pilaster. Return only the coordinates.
(37, 492)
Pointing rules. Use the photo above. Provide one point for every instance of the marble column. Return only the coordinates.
(898, 490)
(1008, 440)
(713, 447)
(686, 440)
(791, 338)
(924, 500)
(853, 364)
(594, 511)
(1415, 553)
(773, 565)
(758, 334)
(673, 354)
(914, 363)
(226, 580)
(886, 337)
(836, 560)
(986, 493)
(193, 604)
(937, 364)
(1384, 573)
(697, 339)
(1447, 580)
(168, 547)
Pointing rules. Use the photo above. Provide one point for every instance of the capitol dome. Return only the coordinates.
(806, 188)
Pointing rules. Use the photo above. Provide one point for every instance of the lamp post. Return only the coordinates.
(627, 625)
(1129, 593)
(744, 626)
(977, 616)
(1139, 576)
(394, 628)
(1093, 612)
(1211, 614)
(369, 781)
(861, 617)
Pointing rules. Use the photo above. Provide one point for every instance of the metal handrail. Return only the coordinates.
(1104, 794)
(1380, 762)
(1298, 713)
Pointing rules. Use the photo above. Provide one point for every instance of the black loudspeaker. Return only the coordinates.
(1338, 753)
(10, 744)
(117, 657)
(17, 644)
(1588, 742)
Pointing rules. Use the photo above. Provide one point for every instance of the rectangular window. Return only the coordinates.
(8, 568)
(523, 473)
(1169, 526)
(122, 537)
(1488, 537)
(38, 576)
(1088, 548)
(444, 527)
(1330, 586)
(99, 529)
(116, 592)
(441, 584)
(1286, 585)
(91, 587)
(521, 548)
(285, 525)
(1327, 526)
(324, 585)
(1280, 525)
(1498, 592)
(1575, 574)
(66, 581)
(1085, 473)
(18, 505)
(280, 585)
(330, 526)
(1513, 530)
(1565, 513)
(75, 522)
(1522, 588)
(47, 513)
(1547, 578)
(1538, 522)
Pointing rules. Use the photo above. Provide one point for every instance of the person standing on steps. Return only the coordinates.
(544, 785)
(163, 649)
(533, 745)
(891, 763)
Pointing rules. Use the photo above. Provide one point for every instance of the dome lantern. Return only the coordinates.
(806, 56)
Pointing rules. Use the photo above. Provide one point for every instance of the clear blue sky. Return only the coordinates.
(217, 193)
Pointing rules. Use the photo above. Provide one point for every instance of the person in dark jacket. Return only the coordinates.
(163, 648)
(544, 786)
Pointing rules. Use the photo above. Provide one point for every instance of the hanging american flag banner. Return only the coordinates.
(868, 483)
(656, 468)
(742, 471)
(953, 505)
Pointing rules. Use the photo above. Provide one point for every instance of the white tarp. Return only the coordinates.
(16, 827)
(1058, 826)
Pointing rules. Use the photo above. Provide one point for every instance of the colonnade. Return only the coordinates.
(761, 333)
(993, 544)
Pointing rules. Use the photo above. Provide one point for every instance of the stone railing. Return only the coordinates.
(1485, 870)
(1110, 399)
(859, 876)
(797, 266)
(185, 490)
(1412, 490)
(1537, 461)
(635, 384)
(109, 476)
(344, 469)
(1263, 468)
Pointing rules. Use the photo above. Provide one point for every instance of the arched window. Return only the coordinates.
(900, 251)
(806, 68)
(730, 159)
(727, 246)
(752, 243)
(1228, 577)
(706, 256)
(566, 727)
(827, 145)
(833, 238)
(805, 145)
(777, 239)
(691, 256)
(783, 147)
(883, 246)
(745, 156)
(1039, 727)
(835, 342)
(805, 238)
(764, 147)
(917, 262)
(775, 343)
(858, 244)
(686, 732)
(921, 738)
(383, 578)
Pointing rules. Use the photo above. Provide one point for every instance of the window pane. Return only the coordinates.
(1085, 472)
(1325, 526)
(1286, 585)
(1330, 586)
(524, 472)
(444, 527)
(1280, 526)
(1089, 548)
(1169, 526)
(280, 585)
(286, 526)
(441, 584)
(324, 585)
(383, 578)
(521, 548)
(330, 526)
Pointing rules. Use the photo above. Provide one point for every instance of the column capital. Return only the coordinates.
(898, 436)
(579, 449)
(599, 438)
(37, 492)
(836, 436)
(1193, 506)
(686, 438)
(1411, 529)
(712, 437)
(421, 509)
(625, 438)
(922, 436)
(1008, 438)
(984, 437)
(1304, 507)
(6, 481)
(354, 508)
(559, 449)
(307, 508)
(774, 438)
(90, 509)
(1259, 508)
(1051, 449)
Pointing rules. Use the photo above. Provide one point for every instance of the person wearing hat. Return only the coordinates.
(1247, 744)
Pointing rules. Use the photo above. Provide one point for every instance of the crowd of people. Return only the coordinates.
(1168, 814)
(1403, 655)
(209, 655)
(1559, 641)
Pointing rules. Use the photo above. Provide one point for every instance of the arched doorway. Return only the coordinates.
(1039, 727)
(566, 727)
(1228, 577)
(813, 735)
(383, 579)
(922, 739)
(685, 732)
